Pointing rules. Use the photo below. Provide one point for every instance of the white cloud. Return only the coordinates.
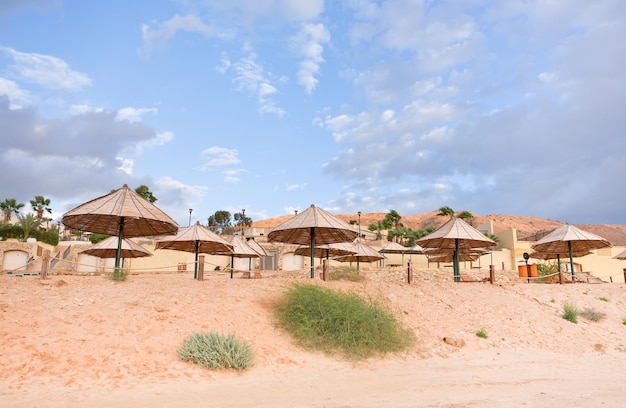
(133, 114)
(163, 32)
(17, 96)
(232, 176)
(45, 70)
(309, 44)
(219, 156)
(82, 109)
(126, 165)
(250, 76)
(291, 187)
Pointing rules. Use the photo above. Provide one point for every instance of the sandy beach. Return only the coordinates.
(88, 341)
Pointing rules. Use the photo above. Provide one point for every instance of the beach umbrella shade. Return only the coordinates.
(240, 250)
(364, 253)
(568, 239)
(196, 239)
(621, 255)
(256, 247)
(313, 227)
(327, 250)
(122, 213)
(458, 236)
(395, 248)
(107, 248)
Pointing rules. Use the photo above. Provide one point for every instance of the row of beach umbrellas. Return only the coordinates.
(125, 214)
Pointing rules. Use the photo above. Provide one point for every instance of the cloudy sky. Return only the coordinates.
(497, 107)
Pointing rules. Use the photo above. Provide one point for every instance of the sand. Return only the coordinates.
(88, 341)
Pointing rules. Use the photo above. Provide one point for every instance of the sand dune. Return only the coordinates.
(86, 341)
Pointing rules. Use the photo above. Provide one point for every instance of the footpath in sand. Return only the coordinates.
(88, 341)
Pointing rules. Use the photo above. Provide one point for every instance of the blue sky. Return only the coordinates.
(496, 107)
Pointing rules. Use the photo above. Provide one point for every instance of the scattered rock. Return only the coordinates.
(454, 341)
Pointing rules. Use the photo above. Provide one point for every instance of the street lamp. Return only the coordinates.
(190, 211)
(359, 213)
(243, 220)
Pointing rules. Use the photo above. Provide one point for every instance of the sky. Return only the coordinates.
(496, 107)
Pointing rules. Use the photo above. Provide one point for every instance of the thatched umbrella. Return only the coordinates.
(240, 250)
(567, 239)
(122, 213)
(195, 239)
(456, 235)
(364, 253)
(621, 255)
(107, 248)
(313, 227)
(395, 248)
(327, 250)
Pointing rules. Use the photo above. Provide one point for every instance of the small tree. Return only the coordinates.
(28, 223)
(446, 212)
(145, 192)
(220, 222)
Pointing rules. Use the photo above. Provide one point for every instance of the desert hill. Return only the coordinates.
(527, 227)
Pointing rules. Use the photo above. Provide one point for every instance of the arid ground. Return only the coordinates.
(88, 341)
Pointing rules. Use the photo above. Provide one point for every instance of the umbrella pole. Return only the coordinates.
(571, 259)
(195, 267)
(312, 252)
(232, 265)
(118, 253)
(457, 271)
(558, 262)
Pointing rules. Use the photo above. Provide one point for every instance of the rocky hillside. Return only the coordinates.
(527, 227)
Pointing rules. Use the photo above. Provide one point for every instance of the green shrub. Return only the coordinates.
(624, 321)
(213, 351)
(345, 273)
(592, 314)
(604, 299)
(482, 334)
(570, 313)
(343, 323)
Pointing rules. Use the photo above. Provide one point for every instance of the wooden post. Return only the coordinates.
(201, 267)
(409, 273)
(325, 270)
(624, 274)
(492, 274)
(560, 276)
(45, 263)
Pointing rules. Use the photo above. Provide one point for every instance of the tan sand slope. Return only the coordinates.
(86, 341)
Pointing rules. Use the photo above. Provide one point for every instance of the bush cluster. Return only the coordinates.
(213, 350)
(342, 323)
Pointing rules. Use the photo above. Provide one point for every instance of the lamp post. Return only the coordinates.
(243, 220)
(190, 211)
(359, 213)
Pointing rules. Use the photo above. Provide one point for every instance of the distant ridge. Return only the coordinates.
(528, 228)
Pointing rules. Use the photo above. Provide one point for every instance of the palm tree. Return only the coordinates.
(446, 212)
(28, 223)
(9, 207)
(393, 218)
(467, 216)
(41, 204)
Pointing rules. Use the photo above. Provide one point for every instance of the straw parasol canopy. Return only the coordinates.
(395, 248)
(449, 256)
(241, 249)
(328, 250)
(364, 253)
(312, 227)
(107, 248)
(195, 239)
(569, 240)
(256, 247)
(122, 213)
(621, 255)
(458, 236)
